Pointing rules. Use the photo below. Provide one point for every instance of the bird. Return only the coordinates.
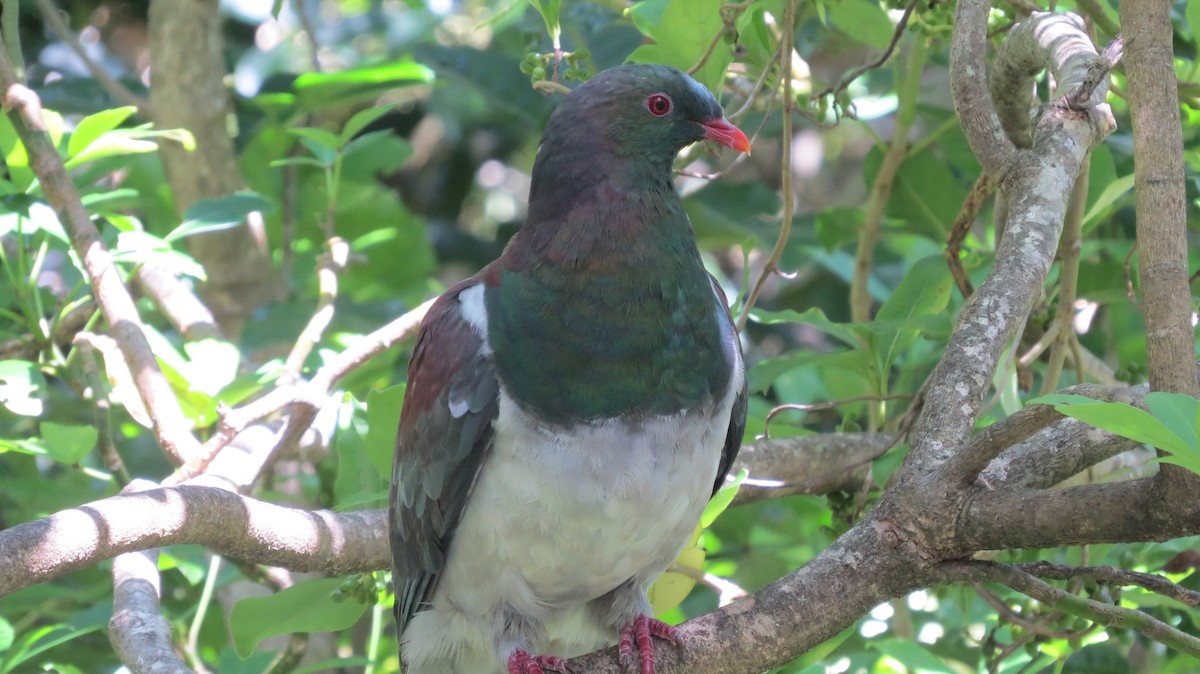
(571, 408)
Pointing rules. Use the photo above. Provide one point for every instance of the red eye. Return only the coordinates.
(658, 104)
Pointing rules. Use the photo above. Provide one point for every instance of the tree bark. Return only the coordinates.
(188, 92)
(1158, 183)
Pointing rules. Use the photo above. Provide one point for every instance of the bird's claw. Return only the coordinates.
(521, 662)
(640, 632)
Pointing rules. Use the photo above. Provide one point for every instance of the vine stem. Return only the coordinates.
(193, 636)
(785, 161)
(881, 190)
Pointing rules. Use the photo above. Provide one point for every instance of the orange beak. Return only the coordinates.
(720, 130)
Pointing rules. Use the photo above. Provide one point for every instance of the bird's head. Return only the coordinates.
(652, 111)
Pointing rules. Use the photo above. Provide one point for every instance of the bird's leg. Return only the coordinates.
(640, 632)
(521, 662)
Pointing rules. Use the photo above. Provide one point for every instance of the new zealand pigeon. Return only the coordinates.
(573, 406)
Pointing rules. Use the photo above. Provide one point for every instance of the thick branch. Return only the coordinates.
(1052, 455)
(811, 464)
(352, 542)
(222, 521)
(789, 616)
(1162, 238)
(968, 68)
(1046, 41)
(1037, 184)
(138, 632)
(1115, 512)
(1018, 427)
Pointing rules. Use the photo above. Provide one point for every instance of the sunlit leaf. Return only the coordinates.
(21, 384)
(93, 126)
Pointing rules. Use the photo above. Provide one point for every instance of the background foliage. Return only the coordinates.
(407, 130)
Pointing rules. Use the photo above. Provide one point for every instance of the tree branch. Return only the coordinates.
(810, 464)
(1158, 184)
(1037, 184)
(125, 325)
(224, 522)
(1113, 576)
(53, 18)
(1104, 614)
(968, 86)
(1127, 511)
(138, 632)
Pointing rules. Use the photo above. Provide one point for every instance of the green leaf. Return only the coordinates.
(6, 635)
(307, 606)
(549, 10)
(68, 444)
(813, 317)
(681, 37)
(1179, 412)
(94, 126)
(721, 500)
(211, 215)
(1192, 12)
(1124, 420)
(119, 142)
(356, 476)
(43, 639)
(863, 22)
(327, 140)
(1114, 191)
(361, 120)
(16, 160)
(21, 384)
(383, 418)
(297, 161)
(914, 657)
(321, 90)
(924, 290)
(332, 665)
(763, 373)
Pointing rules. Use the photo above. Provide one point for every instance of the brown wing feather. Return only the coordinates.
(444, 435)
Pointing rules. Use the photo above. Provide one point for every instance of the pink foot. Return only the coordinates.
(640, 630)
(521, 662)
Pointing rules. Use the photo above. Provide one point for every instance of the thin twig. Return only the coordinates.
(306, 395)
(1114, 576)
(853, 75)
(54, 21)
(1104, 614)
(1068, 279)
(881, 188)
(1007, 613)
(810, 407)
(330, 264)
(1126, 267)
(984, 185)
(729, 16)
(772, 264)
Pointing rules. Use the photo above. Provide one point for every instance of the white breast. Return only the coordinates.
(561, 517)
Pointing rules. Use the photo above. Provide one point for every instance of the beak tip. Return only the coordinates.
(720, 130)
